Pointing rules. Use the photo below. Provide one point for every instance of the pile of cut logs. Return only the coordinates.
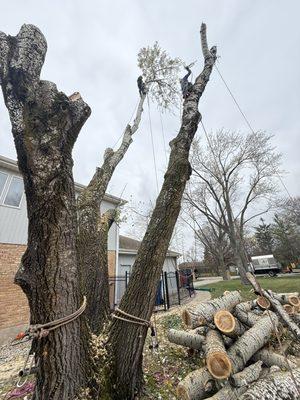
(233, 336)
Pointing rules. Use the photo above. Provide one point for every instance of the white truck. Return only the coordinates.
(266, 264)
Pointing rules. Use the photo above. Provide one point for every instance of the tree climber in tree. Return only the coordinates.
(141, 86)
(186, 86)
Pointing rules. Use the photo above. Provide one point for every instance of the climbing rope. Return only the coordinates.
(152, 144)
(42, 330)
(247, 122)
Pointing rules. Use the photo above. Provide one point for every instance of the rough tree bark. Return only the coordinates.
(45, 126)
(278, 385)
(196, 385)
(251, 341)
(187, 339)
(124, 372)
(91, 240)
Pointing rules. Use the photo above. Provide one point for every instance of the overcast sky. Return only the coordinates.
(92, 48)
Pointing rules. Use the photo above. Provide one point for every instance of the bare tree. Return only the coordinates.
(233, 174)
(124, 375)
(215, 240)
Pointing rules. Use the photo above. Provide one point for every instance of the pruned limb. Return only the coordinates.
(277, 385)
(276, 305)
(270, 358)
(228, 324)
(187, 339)
(204, 312)
(196, 385)
(217, 360)
(251, 341)
(247, 375)
(92, 240)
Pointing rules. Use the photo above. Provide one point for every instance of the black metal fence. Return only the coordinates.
(173, 289)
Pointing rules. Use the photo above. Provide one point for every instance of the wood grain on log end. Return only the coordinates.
(263, 303)
(224, 321)
(219, 365)
(289, 309)
(294, 301)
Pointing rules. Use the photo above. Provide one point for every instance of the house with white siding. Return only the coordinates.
(13, 240)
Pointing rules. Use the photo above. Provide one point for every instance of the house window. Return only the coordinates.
(125, 268)
(3, 178)
(15, 192)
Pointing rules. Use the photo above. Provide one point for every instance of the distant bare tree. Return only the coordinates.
(234, 173)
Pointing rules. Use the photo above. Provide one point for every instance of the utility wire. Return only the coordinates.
(152, 143)
(248, 123)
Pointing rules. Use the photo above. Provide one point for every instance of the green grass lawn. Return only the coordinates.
(281, 285)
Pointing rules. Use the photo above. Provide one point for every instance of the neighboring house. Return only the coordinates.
(13, 239)
(14, 311)
(128, 249)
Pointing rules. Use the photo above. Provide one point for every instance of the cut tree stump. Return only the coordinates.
(196, 385)
(217, 360)
(278, 385)
(228, 324)
(187, 339)
(251, 341)
(204, 312)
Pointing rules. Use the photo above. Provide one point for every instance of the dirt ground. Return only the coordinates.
(163, 367)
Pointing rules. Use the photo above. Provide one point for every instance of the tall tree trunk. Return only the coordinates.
(239, 256)
(124, 371)
(45, 126)
(90, 243)
(224, 269)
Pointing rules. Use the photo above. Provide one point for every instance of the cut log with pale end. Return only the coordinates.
(263, 303)
(228, 324)
(247, 375)
(293, 327)
(204, 312)
(251, 341)
(197, 385)
(228, 393)
(287, 298)
(270, 358)
(187, 339)
(277, 385)
(217, 360)
(289, 309)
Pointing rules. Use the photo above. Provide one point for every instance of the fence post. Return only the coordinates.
(167, 289)
(126, 273)
(178, 288)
